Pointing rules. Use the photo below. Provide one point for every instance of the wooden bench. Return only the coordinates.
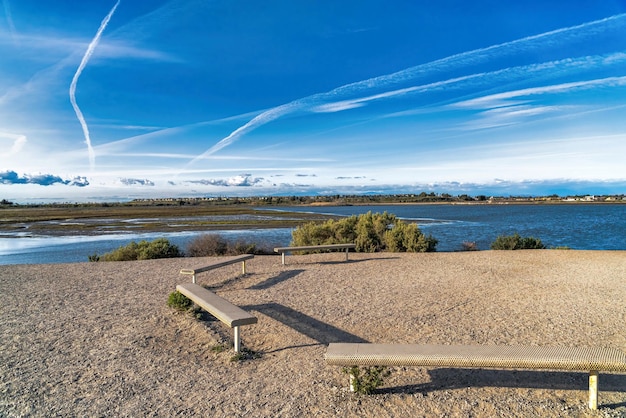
(218, 264)
(591, 360)
(231, 315)
(284, 250)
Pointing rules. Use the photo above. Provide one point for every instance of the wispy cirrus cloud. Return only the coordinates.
(512, 107)
(17, 143)
(9, 18)
(340, 99)
(501, 99)
(40, 46)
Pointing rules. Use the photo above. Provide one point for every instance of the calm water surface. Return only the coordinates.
(582, 226)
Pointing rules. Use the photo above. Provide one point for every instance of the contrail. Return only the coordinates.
(81, 67)
(473, 57)
(9, 17)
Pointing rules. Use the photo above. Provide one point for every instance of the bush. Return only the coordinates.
(144, 250)
(405, 237)
(515, 242)
(179, 301)
(364, 381)
(469, 246)
(212, 245)
(207, 245)
(370, 232)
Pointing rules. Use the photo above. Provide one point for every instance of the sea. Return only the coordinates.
(574, 226)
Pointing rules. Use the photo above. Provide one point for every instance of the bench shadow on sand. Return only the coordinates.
(456, 378)
(313, 328)
(361, 260)
(272, 281)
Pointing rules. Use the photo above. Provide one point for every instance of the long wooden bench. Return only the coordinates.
(283, 250)
(592, 360)
(231, 260)
(231, 315)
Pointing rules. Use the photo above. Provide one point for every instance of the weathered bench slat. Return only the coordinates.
(591, 360)
(222, 309)
(231, 260)
(508, 357)
(315, 247)
(283, 250)
(229, 314)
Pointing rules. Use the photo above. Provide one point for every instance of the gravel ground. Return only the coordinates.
(97, 339)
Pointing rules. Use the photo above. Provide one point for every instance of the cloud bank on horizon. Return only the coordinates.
(183, 98)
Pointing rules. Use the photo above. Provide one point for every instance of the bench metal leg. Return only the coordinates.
(237, 343)
(283, 257)
(346, 254)
(193, 278)
(243, 266)
(593, 389)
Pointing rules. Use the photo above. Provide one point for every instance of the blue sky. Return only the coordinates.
(115, 100)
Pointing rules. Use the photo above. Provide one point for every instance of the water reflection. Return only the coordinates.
(71, 249)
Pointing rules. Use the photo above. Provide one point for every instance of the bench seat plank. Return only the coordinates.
(231, 315)
(231, 260)
(315, 247)
(218, 264)
(592, 360)
(508, 357)
(283, 250)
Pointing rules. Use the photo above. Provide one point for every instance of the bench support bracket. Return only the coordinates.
(236, 342)
(593, 389)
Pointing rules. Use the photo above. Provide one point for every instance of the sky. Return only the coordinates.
(115, 100)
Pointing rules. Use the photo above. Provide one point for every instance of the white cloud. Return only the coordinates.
(18, 142)
(136, 182)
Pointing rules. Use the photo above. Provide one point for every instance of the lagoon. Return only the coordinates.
(576, 226)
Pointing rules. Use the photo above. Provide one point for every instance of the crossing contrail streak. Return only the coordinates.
(81, 67)
(320, 101)
(9, 19)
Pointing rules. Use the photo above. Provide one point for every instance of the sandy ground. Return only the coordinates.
(97, 339)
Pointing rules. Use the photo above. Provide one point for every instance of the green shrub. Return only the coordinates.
(179, 301)
(94, 258)
(159, 248)
(370, 232)
(515, 242)
(144, 250)
(366, 380)
(245, 354)
(405, 237)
